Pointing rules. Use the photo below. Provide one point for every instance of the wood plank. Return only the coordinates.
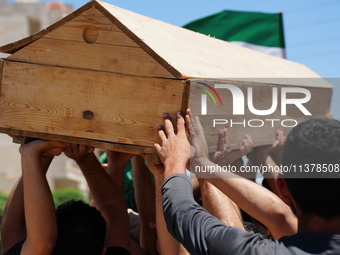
(108, 33)
(152, 158)
(126, 109)
(183, 53)
(194, 55)
(186, 95)
(110, 12)
(101, 57)
(92, 17)
(319, 106)
(149, 153)
(1, 73)
(105, 37)
(22, 139)
(21, 136)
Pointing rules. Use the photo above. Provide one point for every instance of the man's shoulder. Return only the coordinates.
(299, 244)
(314, 243)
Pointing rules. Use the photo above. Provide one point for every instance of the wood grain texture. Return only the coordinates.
(126, 109)
(100, 57)
(194, 55)
(20, 136)
(112, 52)
(149, 153)
(109, 33)
(1, 73)
(180, 52)
(152, 158)
(107, 10)
(319, 106)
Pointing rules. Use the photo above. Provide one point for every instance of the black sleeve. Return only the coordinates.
(200, 232)
(16, 249)
(116, 251)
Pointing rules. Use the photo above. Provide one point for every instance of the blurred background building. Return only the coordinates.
(18, 20)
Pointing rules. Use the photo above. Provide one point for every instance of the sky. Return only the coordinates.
(311, 27)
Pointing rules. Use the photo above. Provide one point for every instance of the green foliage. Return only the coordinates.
(3, 200)
(62, 195)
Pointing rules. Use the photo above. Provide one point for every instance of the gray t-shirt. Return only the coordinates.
(202, 233)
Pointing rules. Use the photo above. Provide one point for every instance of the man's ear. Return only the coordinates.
(283, 189)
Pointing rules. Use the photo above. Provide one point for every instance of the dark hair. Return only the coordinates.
(315, 141)
(81, 229)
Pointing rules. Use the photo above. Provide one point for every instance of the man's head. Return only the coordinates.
(314, 143)
(81, 229)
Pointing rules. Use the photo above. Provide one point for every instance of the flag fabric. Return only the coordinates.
(259, 31)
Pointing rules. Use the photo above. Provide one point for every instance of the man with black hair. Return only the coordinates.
(81, 227)
(31, 225)
(313, 148)
(312, 142)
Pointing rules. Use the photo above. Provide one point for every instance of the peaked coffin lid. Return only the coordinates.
(187, 54)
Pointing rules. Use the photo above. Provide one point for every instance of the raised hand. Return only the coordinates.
(227, 156)
(175, 149)
(78, 152)
(156, 170)
(247, 145)
(223, 145)
(199, 149)
(260, 154)
(118, 158)
(42, 148)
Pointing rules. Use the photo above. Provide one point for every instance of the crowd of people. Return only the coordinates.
(177, 212)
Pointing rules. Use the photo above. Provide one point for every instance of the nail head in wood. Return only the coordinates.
(88, 115)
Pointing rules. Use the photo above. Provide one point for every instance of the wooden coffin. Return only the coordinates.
(103, 76)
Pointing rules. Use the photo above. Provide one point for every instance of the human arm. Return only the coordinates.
(107, 196)
(220, 205)
(260, 203)
(167, 244)
(175, 149)
(13, 226)
(189, 223)
(224, 155)
(271, 157)
(174, 153)
(198, 231)
(257, 201)
(40, 217)
(117, 162)
(145, 200)
(182, 214)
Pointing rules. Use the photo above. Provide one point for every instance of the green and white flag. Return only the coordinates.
(259, 31)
